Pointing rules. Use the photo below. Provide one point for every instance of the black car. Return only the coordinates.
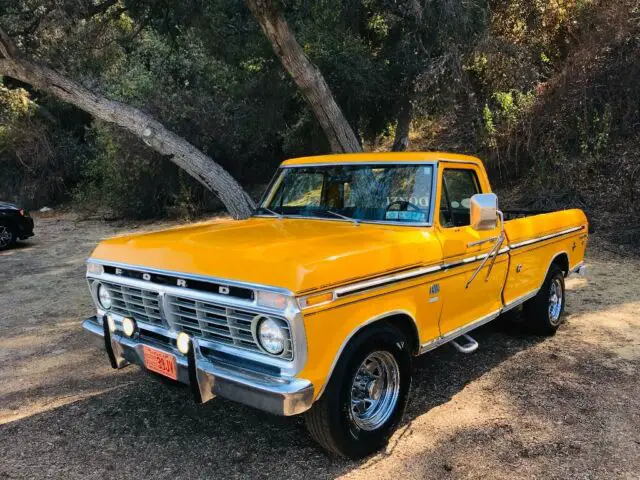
(15, 223)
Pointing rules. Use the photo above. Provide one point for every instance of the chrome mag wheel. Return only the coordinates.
(375, 390)
(5, 236)
(555, 301)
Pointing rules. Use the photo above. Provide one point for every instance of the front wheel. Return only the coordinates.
(7, 236)
(544, 311)
(366, 395)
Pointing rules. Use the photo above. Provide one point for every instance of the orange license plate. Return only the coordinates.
(160, 362)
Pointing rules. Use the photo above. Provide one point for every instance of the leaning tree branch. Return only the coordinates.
(153, 133)
(306, 75)
(7, 47)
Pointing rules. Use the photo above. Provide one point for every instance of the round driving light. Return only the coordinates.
(271, 336)
(111, 323)
(128, 326)
(104, 297)
(182, 342)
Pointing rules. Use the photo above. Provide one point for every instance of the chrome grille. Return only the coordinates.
(218, 323)
(140, 304)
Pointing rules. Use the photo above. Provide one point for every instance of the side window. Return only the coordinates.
(458, 186)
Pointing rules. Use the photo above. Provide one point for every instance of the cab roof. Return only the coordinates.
(390, 157)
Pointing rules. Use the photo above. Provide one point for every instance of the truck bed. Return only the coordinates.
(535, 240)
(513, 214)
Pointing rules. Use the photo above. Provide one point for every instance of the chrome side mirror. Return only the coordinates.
(484, 211)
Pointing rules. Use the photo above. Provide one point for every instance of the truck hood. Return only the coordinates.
(301, 255)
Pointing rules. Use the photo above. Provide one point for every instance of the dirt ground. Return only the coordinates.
(520, 407)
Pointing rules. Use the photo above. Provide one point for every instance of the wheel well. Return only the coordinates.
(7, 222)
(402, 321)
(562, 260)
(406, 324)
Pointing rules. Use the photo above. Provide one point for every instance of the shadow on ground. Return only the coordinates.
(520, 406)
(145, 429)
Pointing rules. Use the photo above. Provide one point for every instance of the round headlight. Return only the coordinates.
(104, 297)
(271, 336)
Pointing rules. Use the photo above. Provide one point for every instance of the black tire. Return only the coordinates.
(330, 421)
(539, 315)
(7, 236)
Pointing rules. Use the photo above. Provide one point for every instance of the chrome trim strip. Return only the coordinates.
(368, 285)
(190, 276)
(352, 334)
(480, 242)
(452, 335)
(380, 282)
(519, 301)
(545, 237)
(468, 260)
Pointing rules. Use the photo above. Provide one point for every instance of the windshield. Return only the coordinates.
(376, 193)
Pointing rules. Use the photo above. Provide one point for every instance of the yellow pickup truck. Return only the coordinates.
(350, 266)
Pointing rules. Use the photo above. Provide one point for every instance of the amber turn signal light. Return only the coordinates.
(318, 299)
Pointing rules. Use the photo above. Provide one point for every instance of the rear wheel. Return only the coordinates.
(7, 236)
(366, 395)
(544, 311)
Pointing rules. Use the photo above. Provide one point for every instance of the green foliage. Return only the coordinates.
(489, 127)
(39, 156)
(119, 178)
(532, 86)
(594, 131)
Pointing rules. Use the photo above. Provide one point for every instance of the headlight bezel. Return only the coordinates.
(103, 288)
(276, 325)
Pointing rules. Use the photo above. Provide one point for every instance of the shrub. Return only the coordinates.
(121, 178)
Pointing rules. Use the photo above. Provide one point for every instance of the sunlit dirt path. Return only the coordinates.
(520, 407)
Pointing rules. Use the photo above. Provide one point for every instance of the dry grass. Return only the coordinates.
(520, 407)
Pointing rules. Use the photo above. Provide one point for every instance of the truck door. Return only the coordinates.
(462, 245)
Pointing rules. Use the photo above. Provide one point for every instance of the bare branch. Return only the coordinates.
(152, 132)
(306, 75)
(101, 8)
(7, 47)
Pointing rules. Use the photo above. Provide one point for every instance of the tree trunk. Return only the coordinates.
(306, 75)
(401, 140)
(152, 132)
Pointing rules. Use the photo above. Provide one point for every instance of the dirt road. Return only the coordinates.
(520, 407)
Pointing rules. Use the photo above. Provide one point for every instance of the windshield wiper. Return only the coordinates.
(275, 214)
(354, 220)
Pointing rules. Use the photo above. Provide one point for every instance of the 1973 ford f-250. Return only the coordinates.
(350, 266)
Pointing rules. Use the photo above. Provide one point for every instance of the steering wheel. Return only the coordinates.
(403, 203)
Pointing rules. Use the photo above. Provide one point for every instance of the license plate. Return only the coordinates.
(160, 362)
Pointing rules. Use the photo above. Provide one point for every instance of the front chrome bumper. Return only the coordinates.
(278, 395)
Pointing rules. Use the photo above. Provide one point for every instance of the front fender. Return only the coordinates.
(329, 329)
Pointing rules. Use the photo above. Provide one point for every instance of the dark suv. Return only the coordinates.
(15, 223)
